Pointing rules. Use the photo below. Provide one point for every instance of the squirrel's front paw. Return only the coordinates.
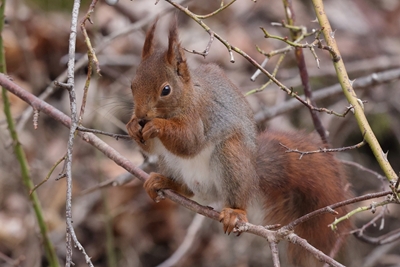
(229, 217)
(156, 182)
(152, 129)
(134, 129)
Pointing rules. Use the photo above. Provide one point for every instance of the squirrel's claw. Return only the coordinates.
(229, 217)
(134, 129)
(155, 183)
(151, 129)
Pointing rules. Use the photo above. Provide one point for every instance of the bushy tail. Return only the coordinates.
(294, 187)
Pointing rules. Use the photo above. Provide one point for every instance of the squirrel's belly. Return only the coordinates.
(196, 172)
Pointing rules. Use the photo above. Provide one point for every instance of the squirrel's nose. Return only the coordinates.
(142, 122)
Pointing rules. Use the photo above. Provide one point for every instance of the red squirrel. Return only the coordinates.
(202, 129)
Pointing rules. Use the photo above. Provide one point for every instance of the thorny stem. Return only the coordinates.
(349, 92)
(371, 207)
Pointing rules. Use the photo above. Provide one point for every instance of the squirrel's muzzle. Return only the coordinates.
(142, 123)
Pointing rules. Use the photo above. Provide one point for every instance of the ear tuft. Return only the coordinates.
(148, 46)
(175, 55)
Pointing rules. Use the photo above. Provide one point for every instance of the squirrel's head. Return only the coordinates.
(162, 80)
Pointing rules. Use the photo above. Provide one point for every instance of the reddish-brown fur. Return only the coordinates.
(205, 123)
(294, 187)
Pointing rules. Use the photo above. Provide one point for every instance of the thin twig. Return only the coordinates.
(296, 43)
(278, 64)
(361, 167)
(48, 175)
(258, 72)
(207, 49)
(274, 52)
(70, 235)
(323, 150)
(361, 82)
(216, 11)
(91, 53)
(91, 59)
(116, 136)
(381, 240)
(360, 231)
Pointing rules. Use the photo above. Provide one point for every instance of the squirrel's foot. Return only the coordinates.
(229, 217)
(155, 183)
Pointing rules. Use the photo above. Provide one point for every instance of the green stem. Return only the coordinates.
(348, 91)
(20, 154)
(372, 206)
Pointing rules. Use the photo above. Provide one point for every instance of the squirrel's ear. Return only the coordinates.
(148, 46)
(175, 55)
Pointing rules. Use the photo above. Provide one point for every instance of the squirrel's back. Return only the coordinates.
(226, 109)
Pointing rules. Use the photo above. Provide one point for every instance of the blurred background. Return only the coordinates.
(121, 226)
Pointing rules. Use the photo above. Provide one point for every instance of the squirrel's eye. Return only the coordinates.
(166, 90)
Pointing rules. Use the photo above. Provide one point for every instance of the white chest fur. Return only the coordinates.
(196, 172)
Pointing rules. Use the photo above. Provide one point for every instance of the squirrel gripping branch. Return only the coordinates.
(202, 129)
